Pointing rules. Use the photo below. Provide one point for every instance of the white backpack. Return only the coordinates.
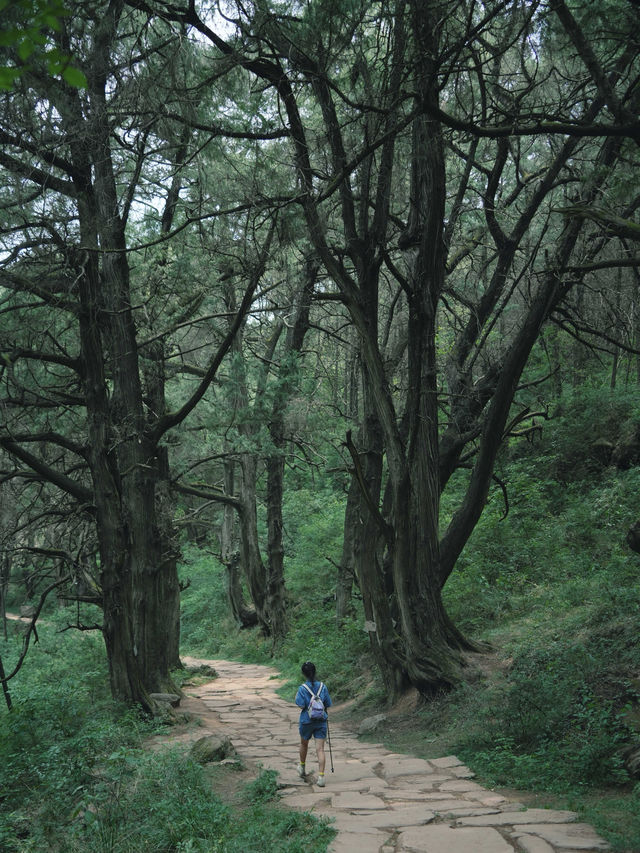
(316, 705)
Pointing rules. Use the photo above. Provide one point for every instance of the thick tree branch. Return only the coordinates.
(37, 176)
(624, 228)
(385, 528)
(83, 495)
(208, 494)
(172, 419)
(32, 626)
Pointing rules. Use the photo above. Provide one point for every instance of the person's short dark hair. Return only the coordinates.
(309, 670)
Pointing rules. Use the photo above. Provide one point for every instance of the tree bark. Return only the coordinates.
(296, 331)
(244, 616)
(138, 569)
(250, 555)
(349, 558)
(276, 600)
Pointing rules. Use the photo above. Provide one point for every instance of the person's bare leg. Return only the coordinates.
(320, 754)
(304, 746)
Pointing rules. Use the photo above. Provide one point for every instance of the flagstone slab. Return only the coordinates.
(307, 802)
(463, 772)
(447, 761)
(402, 795)
(447, 806)
(348, 842)
(460, 811)
(354, 770)
(349, 823)
(510, 818)
(533, 844)
(569, 836)
(364, 786)
(461, 785)
(402, 818)
(354, 800)
(491, 799)
(419, 781)
(292, 788)
(444, 839)
(392, 767)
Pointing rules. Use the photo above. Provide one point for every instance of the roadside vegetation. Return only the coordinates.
(76, 773)
(551, 711)
(310, 311)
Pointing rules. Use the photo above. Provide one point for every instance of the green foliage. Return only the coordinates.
(563, 540)
(551, 726)
(569, 448)
(272, 828)
(264, 788)
(75, 776)
(27, 27)
(554, 588)
(313, 532)
(151, 802)
(61, 724)
(313, 519)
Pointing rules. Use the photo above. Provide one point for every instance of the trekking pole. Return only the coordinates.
(329, 739)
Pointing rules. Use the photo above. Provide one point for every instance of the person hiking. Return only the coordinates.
(313, 699)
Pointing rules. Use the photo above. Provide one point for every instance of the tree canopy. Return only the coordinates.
(265, 229)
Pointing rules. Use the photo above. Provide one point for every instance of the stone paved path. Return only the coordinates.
(380, 801)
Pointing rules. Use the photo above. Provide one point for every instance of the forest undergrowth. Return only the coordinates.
(551, 713)
(553, 710)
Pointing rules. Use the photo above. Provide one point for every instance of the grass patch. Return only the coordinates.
(547, 718)
(75, 774)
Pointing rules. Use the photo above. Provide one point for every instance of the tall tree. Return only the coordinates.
(83, 387)
(470, 97)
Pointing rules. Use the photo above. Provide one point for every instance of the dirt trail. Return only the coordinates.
(381, 802)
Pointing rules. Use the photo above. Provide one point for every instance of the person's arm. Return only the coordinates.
(300, 698)
(326, 698)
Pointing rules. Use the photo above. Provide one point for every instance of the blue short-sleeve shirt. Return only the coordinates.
(303, 698)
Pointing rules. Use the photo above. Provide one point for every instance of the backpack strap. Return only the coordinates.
(310, 691)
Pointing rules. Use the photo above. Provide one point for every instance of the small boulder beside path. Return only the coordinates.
(212, 748)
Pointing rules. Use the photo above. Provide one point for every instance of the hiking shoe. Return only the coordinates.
(320, 783)
(301, 771)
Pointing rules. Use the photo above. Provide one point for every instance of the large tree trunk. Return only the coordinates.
(276, 594)
(244, 616)
(349, 558)
(373, 537)
(346, 574)
(276, 598)
(417, 643)
(5, 573)
(138, 571)
(139, 582)
(250, 556)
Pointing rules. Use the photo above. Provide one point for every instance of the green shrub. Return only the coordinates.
(264, 788)
(150, 803)
(552, 725)
(74, 775)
